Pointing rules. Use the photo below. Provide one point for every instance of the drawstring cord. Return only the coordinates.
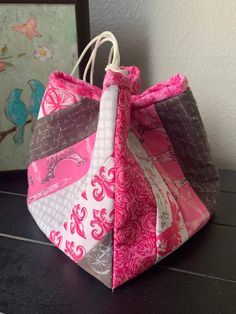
(113, 59)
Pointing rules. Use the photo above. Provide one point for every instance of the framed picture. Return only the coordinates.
(36, 38)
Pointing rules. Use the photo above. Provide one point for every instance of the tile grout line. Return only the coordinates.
(196, 274)
(4, 235)
(21, 194)
(221, 224)
(12, 193)
(230, 192)
(159, 266)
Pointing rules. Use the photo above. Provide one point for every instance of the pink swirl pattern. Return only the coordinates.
(134, 234)
(174, 86)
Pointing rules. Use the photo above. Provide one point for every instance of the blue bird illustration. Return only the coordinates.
(16, 112)
(37, 93)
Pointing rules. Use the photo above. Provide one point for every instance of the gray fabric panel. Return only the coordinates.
(98, 262)
(183, 124)
(64, 128)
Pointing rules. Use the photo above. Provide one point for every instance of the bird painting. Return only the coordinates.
(28, 28)
(16, 112)
(37, 92)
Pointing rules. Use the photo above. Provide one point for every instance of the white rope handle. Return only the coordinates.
(83, 54)
(92, 59)
(113, 60)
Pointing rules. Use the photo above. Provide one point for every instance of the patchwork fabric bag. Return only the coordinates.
(117, 179)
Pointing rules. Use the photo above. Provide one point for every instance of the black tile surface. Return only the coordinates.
(225, 213)
(40, 279)
(15, 219)
(227, 180)
(14, 181)
(212, 251)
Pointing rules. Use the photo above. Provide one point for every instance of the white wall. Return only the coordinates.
(195, 37)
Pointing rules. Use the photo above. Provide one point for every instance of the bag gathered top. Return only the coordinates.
(117, 179)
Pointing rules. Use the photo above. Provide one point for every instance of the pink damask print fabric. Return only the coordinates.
(103, 183)
(91, 219)
(77, 217)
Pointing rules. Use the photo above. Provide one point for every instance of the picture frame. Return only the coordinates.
(10, 159)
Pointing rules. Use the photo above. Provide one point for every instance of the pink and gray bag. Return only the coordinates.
(117, 179)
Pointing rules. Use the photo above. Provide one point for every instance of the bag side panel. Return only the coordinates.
(183, 124)
(77, 217)
(86, 233)
(148, 128)
(95, 195)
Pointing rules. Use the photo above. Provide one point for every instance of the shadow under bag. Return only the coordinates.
(117, 179)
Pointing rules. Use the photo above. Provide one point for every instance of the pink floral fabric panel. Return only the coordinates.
(135, 206)
(175, 85)
(134, 76)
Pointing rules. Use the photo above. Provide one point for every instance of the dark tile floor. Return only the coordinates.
(35, 277)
